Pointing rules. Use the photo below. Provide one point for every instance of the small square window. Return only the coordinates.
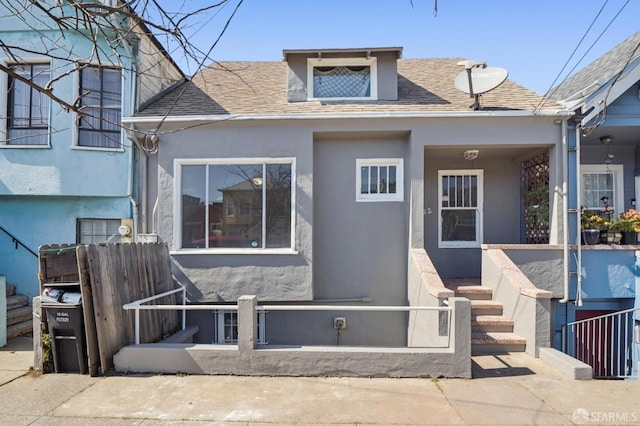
(98, 231)
(226, 327)
(379, 179)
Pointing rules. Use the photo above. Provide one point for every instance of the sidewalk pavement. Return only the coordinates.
(506, 389)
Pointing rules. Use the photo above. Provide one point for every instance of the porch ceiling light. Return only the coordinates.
(471, 154)
(606, 140)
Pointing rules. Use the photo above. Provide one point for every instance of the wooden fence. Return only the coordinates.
(109, 276)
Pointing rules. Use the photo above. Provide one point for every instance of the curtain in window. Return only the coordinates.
(341, 82)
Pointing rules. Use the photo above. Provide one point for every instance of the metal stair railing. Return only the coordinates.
(17, 242)
(609, 343)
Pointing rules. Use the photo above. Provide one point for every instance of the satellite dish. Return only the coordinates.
(477, 78)
(482, 80)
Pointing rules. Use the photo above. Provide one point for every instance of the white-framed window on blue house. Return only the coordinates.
(379, 179)
(226, 327)
(242, 204)
(460, 204)
(97, 231)
(602, 186)
(28, 108)
(99, 119)
(342, 78)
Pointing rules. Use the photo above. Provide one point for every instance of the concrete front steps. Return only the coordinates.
(491, 332)
(19, 314)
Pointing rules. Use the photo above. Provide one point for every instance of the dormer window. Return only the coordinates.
(342, 79)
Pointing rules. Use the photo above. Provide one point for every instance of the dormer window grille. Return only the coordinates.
(342, 79)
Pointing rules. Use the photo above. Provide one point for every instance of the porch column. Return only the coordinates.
(416, 194)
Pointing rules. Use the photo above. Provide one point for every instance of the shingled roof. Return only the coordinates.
(607, 67)
(260, 88)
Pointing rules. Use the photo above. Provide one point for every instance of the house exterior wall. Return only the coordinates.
(155, 71)
(342, 255)
(44, 189)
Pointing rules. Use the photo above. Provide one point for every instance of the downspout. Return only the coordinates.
(566, 235)
(131, 135)
(565, 210)
(132, 171)
(578, 219)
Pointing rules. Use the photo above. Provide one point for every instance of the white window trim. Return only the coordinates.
(219, 336)
(618, 182)
(177, 216)
(371, 62)
(4, 88)
(480, 223)
(399, 194)
(75, 133)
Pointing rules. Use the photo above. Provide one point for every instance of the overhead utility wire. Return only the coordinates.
(542, 101)
(602, 115)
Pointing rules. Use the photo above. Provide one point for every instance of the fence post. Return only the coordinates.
(247, 323)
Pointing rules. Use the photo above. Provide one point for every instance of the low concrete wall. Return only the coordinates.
(246, 358)
(425, 288)
(527, 305)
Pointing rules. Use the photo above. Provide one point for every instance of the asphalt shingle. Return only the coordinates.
(248, 88)
(607, 66)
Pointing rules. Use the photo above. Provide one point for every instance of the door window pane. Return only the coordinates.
(460, 220)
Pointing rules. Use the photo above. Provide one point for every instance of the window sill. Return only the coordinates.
(92, 148)
(236, 251)
(13, 146)
(459, 245)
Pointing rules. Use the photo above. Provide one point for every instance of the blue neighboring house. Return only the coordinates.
(604, 173)
(69, 177)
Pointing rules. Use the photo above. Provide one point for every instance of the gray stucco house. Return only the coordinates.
(338, 176)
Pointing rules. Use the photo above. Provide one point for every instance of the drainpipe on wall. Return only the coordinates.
(565, 210)
(131, 135)
(578, 219)
(578, 198)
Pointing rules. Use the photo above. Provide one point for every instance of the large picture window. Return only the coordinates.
(460, 208)
(100, 108)
(240, 204)
(28, 108)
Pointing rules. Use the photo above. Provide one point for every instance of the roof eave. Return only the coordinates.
(328, 116)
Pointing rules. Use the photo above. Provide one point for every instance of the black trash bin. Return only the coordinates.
(66, 330)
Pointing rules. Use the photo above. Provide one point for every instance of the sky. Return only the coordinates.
(532, 39)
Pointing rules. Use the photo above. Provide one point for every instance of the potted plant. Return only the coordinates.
(592, 224)
(628, 224)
